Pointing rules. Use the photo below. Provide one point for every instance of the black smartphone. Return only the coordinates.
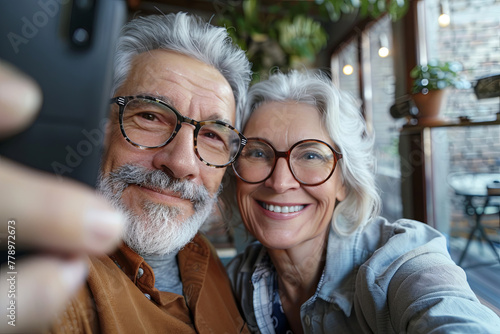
(67, 46)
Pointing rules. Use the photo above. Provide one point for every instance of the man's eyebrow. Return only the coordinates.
(218, 117)
(160, 97)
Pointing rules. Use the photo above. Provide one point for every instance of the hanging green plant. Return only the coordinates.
(301, 38)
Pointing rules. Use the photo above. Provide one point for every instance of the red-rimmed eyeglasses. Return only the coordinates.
(311, 161)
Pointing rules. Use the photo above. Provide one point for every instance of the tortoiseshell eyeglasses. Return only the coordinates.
(147, 122)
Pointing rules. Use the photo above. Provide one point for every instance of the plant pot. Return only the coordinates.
(430, 104)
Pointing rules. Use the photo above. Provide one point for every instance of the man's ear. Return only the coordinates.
(107, 134)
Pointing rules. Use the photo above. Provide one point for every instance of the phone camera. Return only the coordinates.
(81, 24)
(80, 36)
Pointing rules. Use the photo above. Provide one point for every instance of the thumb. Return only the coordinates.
(20, 99)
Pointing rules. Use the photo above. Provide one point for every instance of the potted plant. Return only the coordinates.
(430, 82)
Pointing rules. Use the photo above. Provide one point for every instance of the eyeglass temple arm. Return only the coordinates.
(120, 100)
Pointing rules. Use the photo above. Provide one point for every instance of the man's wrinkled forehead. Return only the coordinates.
(179, 79)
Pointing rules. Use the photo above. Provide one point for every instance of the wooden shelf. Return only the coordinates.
(415, 125)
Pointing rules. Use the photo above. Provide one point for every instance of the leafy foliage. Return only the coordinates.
(396, 9)
(284, 34)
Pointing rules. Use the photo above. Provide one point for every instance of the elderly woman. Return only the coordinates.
(324, 262)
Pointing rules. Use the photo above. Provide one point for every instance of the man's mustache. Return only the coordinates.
(159, 181)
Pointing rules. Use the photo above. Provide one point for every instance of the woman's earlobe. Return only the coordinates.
(341, 193)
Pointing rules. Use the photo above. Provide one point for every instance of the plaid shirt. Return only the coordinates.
(263, 282)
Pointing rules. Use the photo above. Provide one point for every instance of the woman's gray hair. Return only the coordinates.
(346, 127)
(188, 35)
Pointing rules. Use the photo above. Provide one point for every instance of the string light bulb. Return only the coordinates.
(444, 17)
(347, 69)
(383, 50)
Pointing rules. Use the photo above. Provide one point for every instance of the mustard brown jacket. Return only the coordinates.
(120, 296)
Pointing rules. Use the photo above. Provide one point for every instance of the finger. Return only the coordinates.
(20, 99)
(61, 216)
(37, 291)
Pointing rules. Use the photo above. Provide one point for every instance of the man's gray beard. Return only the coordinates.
(158, 230)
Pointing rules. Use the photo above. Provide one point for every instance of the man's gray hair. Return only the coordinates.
(346, 127)
(188, 35)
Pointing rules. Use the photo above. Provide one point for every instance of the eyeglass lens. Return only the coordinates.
(151, 124)
(311, 162)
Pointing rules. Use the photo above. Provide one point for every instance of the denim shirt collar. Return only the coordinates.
(337, 282)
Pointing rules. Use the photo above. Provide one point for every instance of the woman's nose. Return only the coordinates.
(282, 178)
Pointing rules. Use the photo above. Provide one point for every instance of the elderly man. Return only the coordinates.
(178, 83)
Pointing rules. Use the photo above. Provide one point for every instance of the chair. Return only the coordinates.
(481, 193)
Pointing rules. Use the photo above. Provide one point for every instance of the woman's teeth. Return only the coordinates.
(282, 209)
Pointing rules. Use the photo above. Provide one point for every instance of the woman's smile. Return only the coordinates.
(281, 208)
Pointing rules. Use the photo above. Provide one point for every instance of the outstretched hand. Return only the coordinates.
(57, 223)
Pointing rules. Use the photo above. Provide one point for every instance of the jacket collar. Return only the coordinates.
(337, 283)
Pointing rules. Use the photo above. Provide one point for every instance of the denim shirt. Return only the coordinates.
(384, 278)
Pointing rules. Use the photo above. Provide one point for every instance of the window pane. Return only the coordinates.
(345, 67)
(385, 127)
(471, 38)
